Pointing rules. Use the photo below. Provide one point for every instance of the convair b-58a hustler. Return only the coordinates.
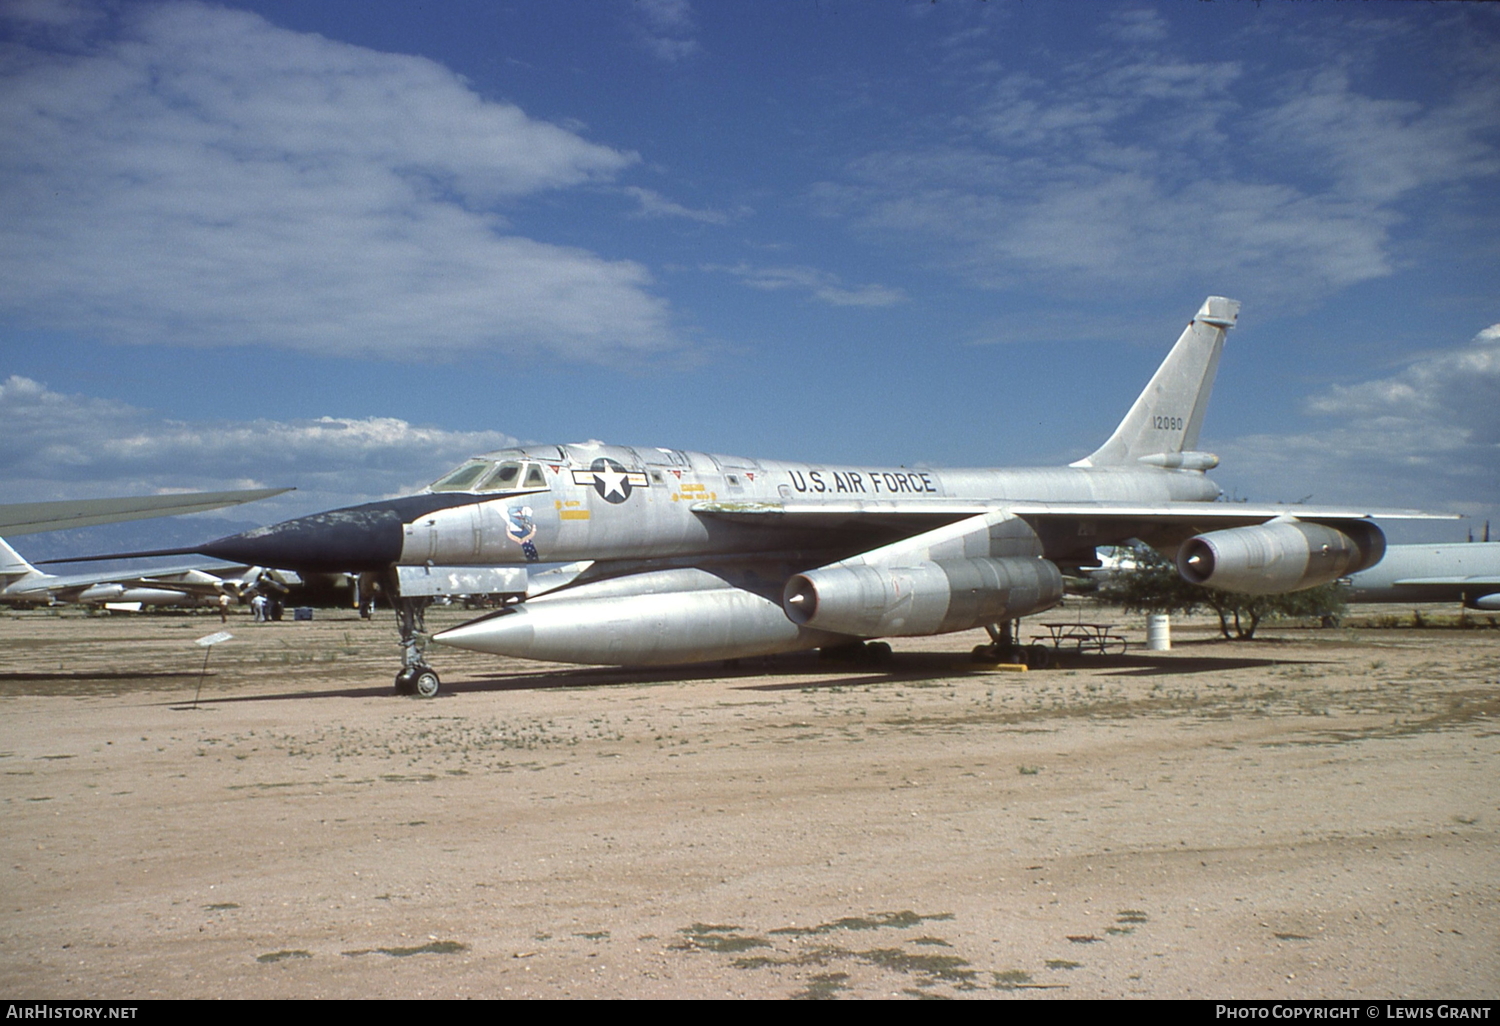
(681, 557)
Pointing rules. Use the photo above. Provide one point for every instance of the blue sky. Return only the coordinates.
(343, 245)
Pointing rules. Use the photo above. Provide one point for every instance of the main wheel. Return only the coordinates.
(427, 683)
(1038, 657)
(1000, 654)
(406, 681)
(850, 652)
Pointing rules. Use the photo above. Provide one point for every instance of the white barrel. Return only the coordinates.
(1159, 632)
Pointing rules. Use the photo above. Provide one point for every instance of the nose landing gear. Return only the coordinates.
(416, 677)
(413, 588)
(420, 680)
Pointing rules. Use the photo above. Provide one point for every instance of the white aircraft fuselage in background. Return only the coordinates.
(196, 585)
(1467, 572)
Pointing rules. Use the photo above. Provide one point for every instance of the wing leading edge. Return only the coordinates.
(923, 514)
(34, 517)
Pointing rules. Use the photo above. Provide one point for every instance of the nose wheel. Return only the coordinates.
(416, 677)
(420, 680)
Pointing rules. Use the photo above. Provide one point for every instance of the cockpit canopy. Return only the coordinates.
(501, 472)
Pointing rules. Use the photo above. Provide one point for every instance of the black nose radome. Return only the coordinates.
(353, 539)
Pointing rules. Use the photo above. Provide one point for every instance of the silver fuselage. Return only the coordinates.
(586, 509)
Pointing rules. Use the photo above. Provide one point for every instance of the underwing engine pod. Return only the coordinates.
(1281, 555)
(929, 597)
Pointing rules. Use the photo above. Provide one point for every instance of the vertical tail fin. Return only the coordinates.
(1162, 427)
(12, 566)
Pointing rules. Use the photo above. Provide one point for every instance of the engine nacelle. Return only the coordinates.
(1280, 556)
(926, 598)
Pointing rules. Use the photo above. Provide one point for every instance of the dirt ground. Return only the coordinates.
(1313, 814)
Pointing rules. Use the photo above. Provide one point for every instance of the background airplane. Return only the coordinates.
(1467, 572)
(192, 585)
(691, 556)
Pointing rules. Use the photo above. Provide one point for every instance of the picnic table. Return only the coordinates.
(1083, 637)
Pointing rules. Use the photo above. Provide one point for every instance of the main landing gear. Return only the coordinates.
(416, 677)
(861, 653)
(1004, 648)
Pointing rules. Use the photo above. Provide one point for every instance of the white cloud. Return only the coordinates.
(1448, 400)
(1378, 149)
(821, 285)
(50, 15)
(1139, 25)
(654, 204)
(1132, 166)
(1427, 436)
(666, 28)
(59, 446)
(202, 177)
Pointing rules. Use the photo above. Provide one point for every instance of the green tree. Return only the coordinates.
(1155, 586)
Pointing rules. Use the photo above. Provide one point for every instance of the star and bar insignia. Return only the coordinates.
(611, 480)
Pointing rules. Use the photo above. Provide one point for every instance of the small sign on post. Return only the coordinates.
(207, 642)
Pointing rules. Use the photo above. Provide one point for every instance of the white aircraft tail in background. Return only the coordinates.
(200, 584)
